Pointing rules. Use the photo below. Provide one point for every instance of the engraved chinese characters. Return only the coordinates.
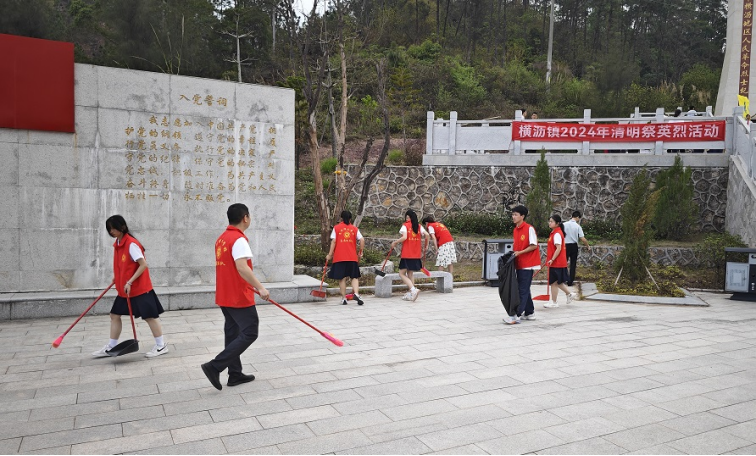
(214, 160)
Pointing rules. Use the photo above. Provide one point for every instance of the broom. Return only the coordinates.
(543, 297)
(380, 271)
(319, 293)
(422, 262)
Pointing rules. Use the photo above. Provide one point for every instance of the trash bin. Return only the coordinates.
(740, 276)
(493, 249)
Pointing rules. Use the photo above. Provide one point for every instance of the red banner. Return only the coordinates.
(636, 132)
(36, 84)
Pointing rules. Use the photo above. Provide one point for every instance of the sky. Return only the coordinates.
(305, 6)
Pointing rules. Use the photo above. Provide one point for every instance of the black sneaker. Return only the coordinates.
(212, 375)
(238, 379)
(359, 301)
(343, 302)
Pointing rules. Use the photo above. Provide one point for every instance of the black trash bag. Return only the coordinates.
(509, 292)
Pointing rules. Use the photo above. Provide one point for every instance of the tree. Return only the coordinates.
(636, 228)
(675, 212)
(538, 199)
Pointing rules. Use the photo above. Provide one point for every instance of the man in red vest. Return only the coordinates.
(234, 294)
(527, 261)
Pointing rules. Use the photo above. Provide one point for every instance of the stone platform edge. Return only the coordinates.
(590, 293)
(45, 304)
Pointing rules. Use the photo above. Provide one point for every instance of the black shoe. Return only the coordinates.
(359, 301)
(238, 379)
(212, 375)
(569, 284)
(343, 302)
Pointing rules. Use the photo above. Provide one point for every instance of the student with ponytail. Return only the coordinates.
(346, 258)
(556, 260)
(132, 279)
(412, 237)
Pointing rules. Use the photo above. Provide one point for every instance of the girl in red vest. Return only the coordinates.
(556, 260)
(346, 259)
(444, 242)
(412, 239)
(132, 278)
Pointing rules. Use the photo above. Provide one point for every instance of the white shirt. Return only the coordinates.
(333, 234)
(691, 113)
(572, 232)
(241, 249)
(533, 240)
(403, 230)
(557, 239)
(134, 252)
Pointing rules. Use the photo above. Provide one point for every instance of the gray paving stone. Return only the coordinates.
(527, 422)
(631, 418)
(408, 445)
(698, 423)
(745, 430)
(589, 428)
(210, 446)
(690, 405)
(745, 411)
(49, 413)
(643, 436)
(525, 442)
(266, 437)
(348, 422)
(124, 444)
(711, 442)
(326, 444)
(55, 439)
(10, 446)
(658, 449)
(744, 450)
(373, 403)
(120, 416)
(595, 445)
(463, 435)
(303, 415)
(466, 449)
(166, 423)
(212, 430)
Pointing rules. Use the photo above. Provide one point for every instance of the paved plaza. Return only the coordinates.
(441, 375)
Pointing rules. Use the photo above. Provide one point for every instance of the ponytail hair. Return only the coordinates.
(346, 217)
(558, 220)
(119, 223)
(413, 220)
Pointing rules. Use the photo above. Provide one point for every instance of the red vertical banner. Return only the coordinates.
(745, 48)
(36, 84)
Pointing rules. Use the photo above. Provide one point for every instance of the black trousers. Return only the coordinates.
(240, 331)
(572, 254)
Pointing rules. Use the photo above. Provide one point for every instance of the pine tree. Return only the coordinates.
(636, 228)
(676, 212)
(538, 199)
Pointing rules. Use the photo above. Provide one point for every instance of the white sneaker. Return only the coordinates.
(550, 305)
(414, 294)
(157, 351)
(510, 320)
(529, 317)
(571, 297)
(102, 353)
(407, 296)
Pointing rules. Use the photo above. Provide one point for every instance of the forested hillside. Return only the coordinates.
(482, 58)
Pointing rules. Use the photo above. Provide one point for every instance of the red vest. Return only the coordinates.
(442, 233)
(561, 260)
(231, 290)
(521, 236)
(346, 243)
(124, 268)
(412, 246)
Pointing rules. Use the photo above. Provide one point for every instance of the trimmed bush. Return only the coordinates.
(477, 223)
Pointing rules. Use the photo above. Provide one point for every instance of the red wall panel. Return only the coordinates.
(36, 84)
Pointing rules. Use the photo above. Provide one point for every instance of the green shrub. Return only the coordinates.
(602, 229)
(395, 157)
(309, 255)
(372, 256)
(328, 165)
(478, 223)
(710, 252)
(676, 212)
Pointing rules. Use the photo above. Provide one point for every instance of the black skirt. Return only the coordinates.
(145, 305)
(558, 275)
(344, 269)
(411, 264)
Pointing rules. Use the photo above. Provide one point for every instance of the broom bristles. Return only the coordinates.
(333, 340)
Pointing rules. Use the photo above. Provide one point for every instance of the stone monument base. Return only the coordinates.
(19, 306)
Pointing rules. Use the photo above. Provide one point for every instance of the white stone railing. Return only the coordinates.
(490, 142)
(744, 142)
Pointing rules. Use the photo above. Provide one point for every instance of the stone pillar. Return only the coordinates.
(737, 77)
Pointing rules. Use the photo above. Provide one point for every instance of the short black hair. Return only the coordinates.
(576, 214)
(428, 219)
(522, 210)
(236, 213)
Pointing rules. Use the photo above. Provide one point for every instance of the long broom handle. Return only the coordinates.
(287, 311)
(324, 272)
(387, 257)
(131, 315)
(88, 309)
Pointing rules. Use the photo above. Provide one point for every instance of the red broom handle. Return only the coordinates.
(88, 309)
(131, 315)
